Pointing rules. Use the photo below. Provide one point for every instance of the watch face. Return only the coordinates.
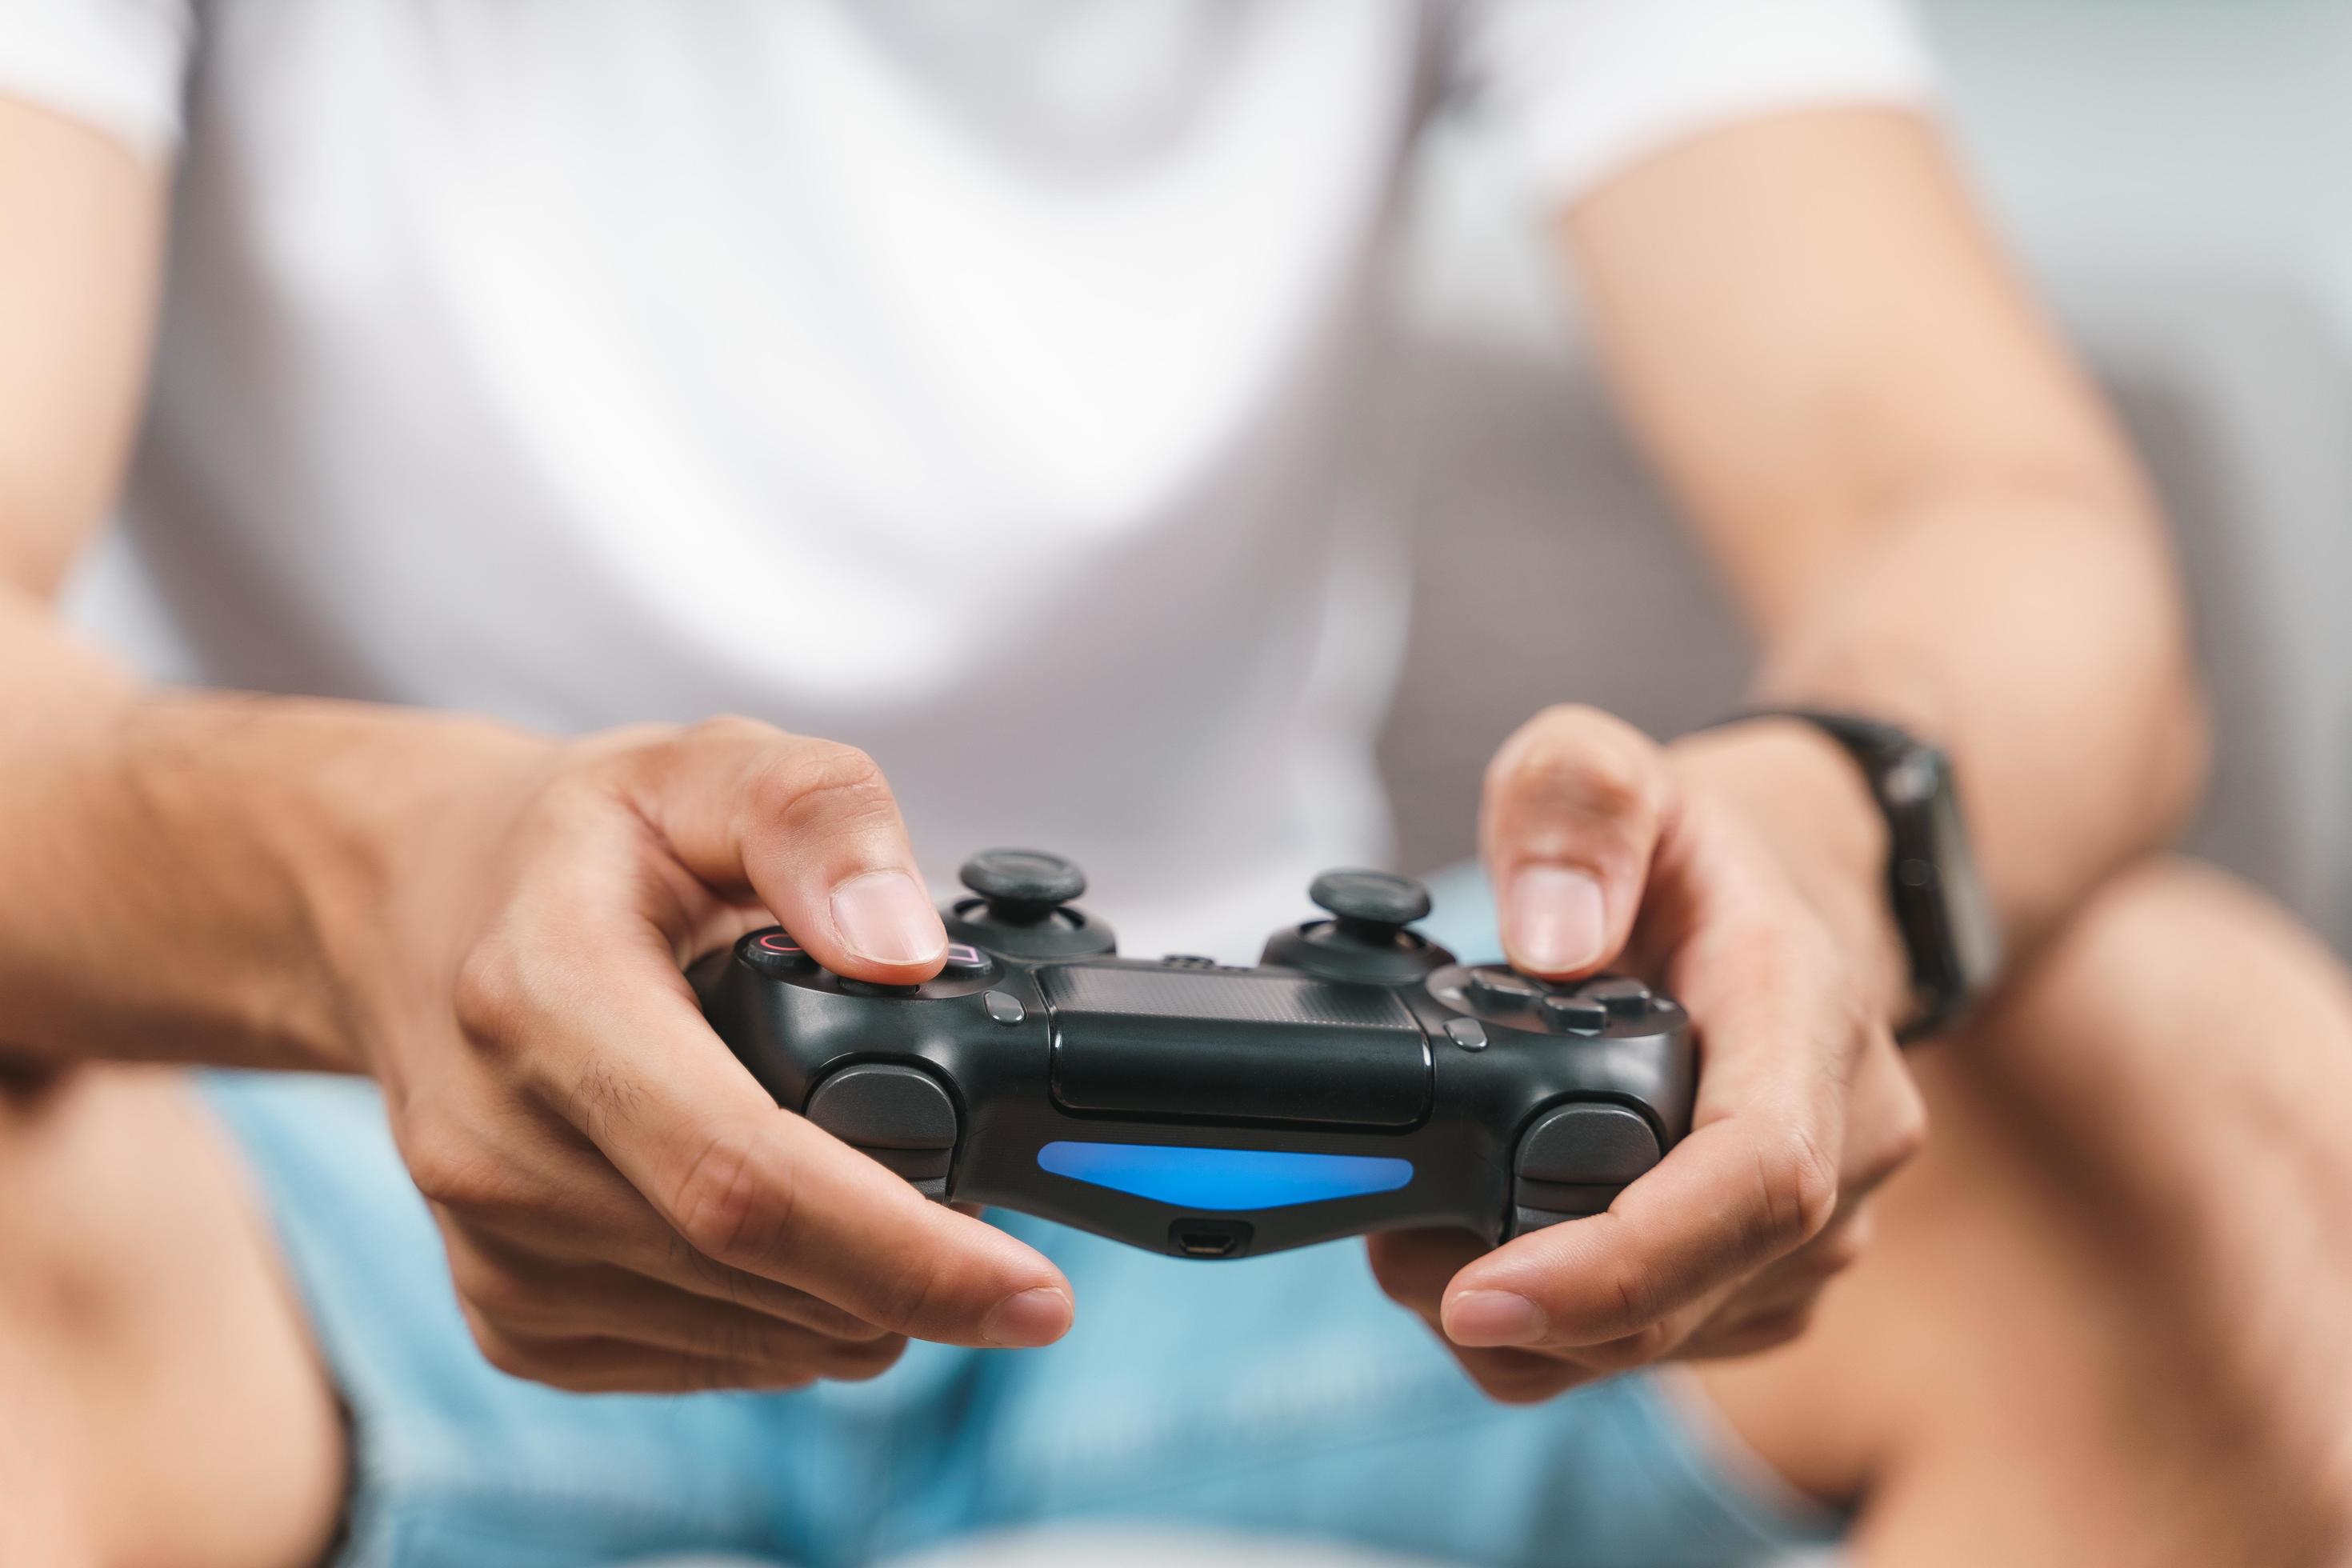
(1974, 928)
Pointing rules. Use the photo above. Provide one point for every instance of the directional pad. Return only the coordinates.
(1587, 1007)
(1500, 988)
(1583, 1014)
(1624, 997)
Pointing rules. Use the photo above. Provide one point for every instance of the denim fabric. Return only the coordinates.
(1281, 1396)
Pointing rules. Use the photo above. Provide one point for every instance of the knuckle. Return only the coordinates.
(732, 1205)
(504, 1297)
(1591, 755)
(1640, 1348)
(487, 994)
(1798, 1185)
(900, 1304)
(1906, 1131)
(456, 1174)
(1610, 781)
(821, 780)
(1639, 1292)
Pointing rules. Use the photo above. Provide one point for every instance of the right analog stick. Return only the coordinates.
(1024, 908)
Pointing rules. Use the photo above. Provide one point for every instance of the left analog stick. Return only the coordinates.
(1023, 887)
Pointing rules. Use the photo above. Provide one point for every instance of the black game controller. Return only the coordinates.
(1358, 1079)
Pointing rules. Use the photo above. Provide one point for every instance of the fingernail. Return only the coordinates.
(1557, 920)
(885, 916)
(1032, 1317)
(1482, 1317)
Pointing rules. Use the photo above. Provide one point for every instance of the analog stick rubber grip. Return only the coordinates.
(1022, 885)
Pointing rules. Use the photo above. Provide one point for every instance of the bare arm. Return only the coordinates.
(1930, 519)
(492, 923)
(1922, 503)
(167, 851)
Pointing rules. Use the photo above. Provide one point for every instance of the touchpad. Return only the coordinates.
(1145, 1040)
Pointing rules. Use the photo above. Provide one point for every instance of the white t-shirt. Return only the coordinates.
(950, 377)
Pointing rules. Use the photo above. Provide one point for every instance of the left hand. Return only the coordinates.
(1741, 871)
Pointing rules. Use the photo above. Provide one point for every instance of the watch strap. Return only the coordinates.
(1914, 896)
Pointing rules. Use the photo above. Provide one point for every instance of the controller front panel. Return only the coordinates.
(1213, 1112)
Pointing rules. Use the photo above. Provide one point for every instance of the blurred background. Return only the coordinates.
(2177, 173)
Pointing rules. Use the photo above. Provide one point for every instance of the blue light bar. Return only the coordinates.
(1229, 1181)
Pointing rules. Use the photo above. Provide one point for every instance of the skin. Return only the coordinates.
(492, 923)
(1870, 452)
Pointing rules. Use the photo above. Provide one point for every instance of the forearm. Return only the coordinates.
(1912, 489)
(2064, 695)
(2033, 630)
(191, 873)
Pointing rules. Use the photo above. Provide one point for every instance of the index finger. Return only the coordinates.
(1757, 1177)
(1729, 1199)
(760, 1189)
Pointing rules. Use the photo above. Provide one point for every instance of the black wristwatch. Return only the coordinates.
(1948, 924)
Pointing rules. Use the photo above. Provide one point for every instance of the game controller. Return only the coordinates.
(1358, 1078)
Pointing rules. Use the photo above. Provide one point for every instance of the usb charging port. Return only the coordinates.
(1208, 1237)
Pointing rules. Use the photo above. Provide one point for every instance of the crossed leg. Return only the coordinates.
(2107, 1316)
(2105, 1320)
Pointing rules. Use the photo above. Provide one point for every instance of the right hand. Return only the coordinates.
(623, 1207)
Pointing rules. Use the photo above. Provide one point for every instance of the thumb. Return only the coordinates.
(809, 827)
(1573, 805)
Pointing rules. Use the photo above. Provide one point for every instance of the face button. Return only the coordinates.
(1004, 1008)
(1499, 989)
(876, 988)
(964, 960)
(1467, 1033)
(1580, 1014)
(774, 953)
(1624, 997)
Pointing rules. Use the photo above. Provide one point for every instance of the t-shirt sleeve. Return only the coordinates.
(1580, 88)
(117, 66)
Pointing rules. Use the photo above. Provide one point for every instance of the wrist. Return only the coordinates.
(1801, 791)
(390, 831)
(295, 829)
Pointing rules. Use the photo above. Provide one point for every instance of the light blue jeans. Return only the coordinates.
(1281, 1396)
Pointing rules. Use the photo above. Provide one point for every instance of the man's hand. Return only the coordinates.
(1737, 872)
(623, 1207)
